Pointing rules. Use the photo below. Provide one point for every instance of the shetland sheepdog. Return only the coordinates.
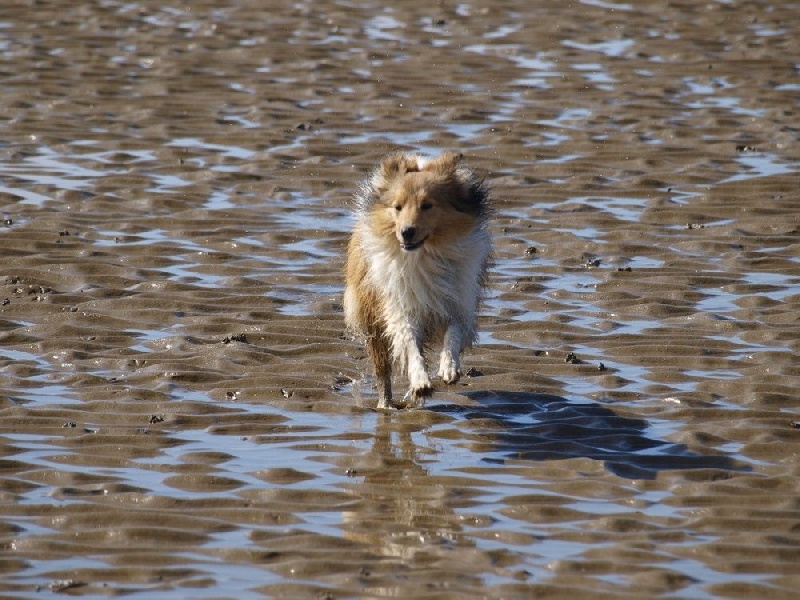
(416, 267)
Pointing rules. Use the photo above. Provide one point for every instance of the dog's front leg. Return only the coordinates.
(450, 359)
(419, 383)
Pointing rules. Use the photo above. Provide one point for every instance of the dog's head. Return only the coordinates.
(425, 202)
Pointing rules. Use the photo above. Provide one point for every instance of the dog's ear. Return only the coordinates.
(395, 165)
(446, 162)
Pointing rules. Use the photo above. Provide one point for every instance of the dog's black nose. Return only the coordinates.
(408, 233)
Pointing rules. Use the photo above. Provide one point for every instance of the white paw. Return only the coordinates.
(449, 369)
(415, 396)
(418, 377)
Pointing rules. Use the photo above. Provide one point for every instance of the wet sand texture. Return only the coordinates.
(180, 410)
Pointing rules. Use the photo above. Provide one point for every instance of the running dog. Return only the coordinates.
(416, 266)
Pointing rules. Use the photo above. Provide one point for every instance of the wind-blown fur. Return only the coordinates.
(416, 266)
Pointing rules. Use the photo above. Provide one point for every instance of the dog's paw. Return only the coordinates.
(384, 403)
(449, 373)
(449, 370)
(419, 394)
(415, 396)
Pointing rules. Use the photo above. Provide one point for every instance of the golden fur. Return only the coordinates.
(416, 265)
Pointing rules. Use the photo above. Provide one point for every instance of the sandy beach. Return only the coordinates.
(182, 414)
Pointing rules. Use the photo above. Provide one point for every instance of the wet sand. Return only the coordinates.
(181, 412)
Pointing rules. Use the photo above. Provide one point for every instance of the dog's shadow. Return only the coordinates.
(531, 426)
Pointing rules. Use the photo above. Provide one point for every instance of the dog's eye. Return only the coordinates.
(426, 206)
(398, 207)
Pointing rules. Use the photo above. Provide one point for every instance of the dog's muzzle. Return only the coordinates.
(408, 243)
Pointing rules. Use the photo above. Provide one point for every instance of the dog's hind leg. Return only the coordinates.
(378, 350)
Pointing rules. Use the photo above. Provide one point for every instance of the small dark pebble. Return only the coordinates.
(473, 372)
(156, 419)
(796, 424)
(595, 262)
(6, 302)
(601, 367)
(695, 226)
(70, 424)
(530, 250)
(231, 395)
(572, 359)
(745, 148)
(351, 472)
(238, 337)
(8, 222)
(287, 393)
(625, 269)
(63, 233)
(522, 575)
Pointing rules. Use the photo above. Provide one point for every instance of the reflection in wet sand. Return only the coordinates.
(406, 515)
